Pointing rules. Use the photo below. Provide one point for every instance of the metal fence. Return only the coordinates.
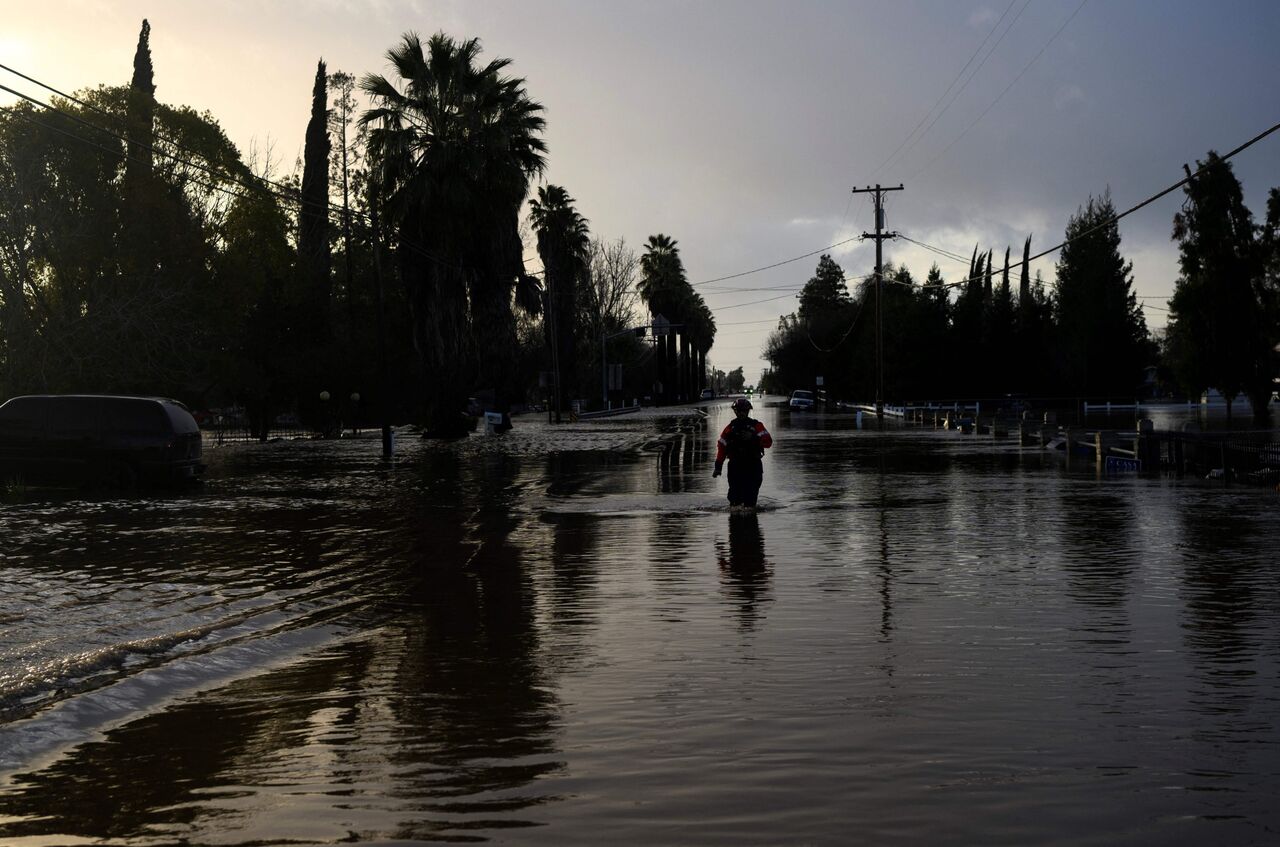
(1233, 456)
(232, 432)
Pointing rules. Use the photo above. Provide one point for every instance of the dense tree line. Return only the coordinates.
(684, 326)
(139, 252)
(1083, 337)
(979, 336)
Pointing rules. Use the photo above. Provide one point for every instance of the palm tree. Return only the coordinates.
(453, 154)
(564, 244)
(702, 334)
(667, 292)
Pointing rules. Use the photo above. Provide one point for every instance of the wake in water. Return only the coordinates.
(649, 504)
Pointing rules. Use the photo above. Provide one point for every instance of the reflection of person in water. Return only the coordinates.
(743, 443)
(744, 566)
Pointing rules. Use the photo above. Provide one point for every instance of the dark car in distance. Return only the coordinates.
(98, 439)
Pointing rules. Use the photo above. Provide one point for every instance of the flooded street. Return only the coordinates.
(920, 638)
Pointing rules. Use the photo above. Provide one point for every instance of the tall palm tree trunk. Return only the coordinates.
(438, 300)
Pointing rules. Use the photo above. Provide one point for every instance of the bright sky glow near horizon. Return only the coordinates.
(739, 128)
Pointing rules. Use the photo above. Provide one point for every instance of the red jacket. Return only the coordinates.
(762, 434)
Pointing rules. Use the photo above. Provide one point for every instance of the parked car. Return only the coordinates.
(801, 400)
(707, 394)
(98, 440)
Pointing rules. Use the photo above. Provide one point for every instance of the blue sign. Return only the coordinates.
(1120, 464)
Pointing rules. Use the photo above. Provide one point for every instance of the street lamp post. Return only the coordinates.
(324, 417)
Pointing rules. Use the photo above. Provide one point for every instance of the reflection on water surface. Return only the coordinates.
(924, 638)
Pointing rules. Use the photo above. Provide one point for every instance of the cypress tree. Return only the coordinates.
(140, 117)
(1024, 281)
(313, 217)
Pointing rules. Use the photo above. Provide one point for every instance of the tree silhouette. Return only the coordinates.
(1219, 333)
(564, 244)
(1102, 334)
(452, 155)
(314, 255)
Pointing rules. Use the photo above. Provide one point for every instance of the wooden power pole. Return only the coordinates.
(878, 195)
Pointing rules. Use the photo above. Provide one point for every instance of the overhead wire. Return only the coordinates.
(275, 189)
(281, 191)
(745, 323)
(752, 303)
(1026, 262)
(777, 264)
(289, 196)
(1001, 95)
(249, 188)
(852, 324)
(961, 89)
(994, 47)
(787, 287)
(1120, 216)
(284, 193)
(935, 249)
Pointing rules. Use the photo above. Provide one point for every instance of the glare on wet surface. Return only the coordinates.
(921, 638)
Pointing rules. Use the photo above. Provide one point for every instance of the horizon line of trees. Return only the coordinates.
(1083, 337)
(141, 253)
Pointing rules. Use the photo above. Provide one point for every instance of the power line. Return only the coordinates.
(285, 193)
(753, 302)
(855, 279)
(250, 188)
(787, 287)
(852, 324)
(1025, 68)
(926, 115)
(1115, 218)
(85, 104)
(777, 264)
(935, 249)
(737, 333)
(282, 191)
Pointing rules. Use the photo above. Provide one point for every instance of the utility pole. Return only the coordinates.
(878, 195)
(384, 383)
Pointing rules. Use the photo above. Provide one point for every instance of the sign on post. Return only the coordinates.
(1121, 464)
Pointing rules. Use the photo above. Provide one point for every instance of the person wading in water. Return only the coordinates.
(743, 443)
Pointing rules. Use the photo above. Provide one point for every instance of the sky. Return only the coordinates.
(740, 128)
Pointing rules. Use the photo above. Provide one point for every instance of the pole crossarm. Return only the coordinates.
(879, 237)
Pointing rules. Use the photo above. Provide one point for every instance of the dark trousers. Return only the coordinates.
(745, 477)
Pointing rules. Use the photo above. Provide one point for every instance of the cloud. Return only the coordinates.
(1068, 96)
(982, 16)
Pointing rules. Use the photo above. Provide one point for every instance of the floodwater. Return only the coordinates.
(921, 638)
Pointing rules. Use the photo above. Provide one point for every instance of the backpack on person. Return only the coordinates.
(743, 442)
